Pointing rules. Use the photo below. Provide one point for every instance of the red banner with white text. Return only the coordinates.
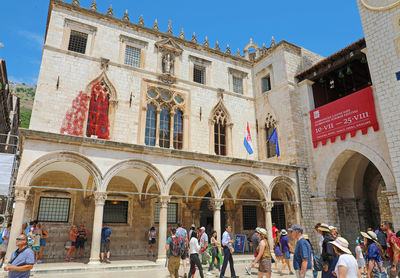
(346, 115)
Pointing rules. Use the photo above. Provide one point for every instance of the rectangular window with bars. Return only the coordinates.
(249, 217)
(132, 56)
(172, 213)
(266, 83)
(199, 74)
(53, 209)
(115, 212)
(77, 42)
(237, 84)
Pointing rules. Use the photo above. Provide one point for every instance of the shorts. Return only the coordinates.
(80, 244)
(36, 248)
(278, 252)
(152, 241)
(287, 255)
(42, 242)
(184, 255)
(361, 263)
(265, 265)
(105, 247)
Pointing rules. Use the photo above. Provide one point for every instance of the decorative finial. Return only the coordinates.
(217, 46)
(251, 40)
(141, 22)
(264, 47)
(126, 16)
(182, 34)
(75, 3)
(273, 42)
(93, 7)
(228, 49)
(110, 11)
(155, 25)
(206, 44)
(194, 39)
(238, 53)
(169, 30)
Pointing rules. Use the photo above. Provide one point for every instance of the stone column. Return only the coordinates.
(171, 129)
(228, 139)
(298, 214)
(217, 204)
(268, 221)
(21, 195)
(162, 228)
(211, 138)
(158, 128)
(99, 199)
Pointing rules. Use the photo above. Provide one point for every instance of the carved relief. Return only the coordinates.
(169, 50)
(100, 198)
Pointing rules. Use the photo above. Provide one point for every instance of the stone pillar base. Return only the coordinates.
(94, 261)
(161, 261)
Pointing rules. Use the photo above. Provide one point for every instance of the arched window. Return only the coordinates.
(98, 123)
(270, 125)
(178, 129)
(165, 127)
(151, 120)
(219, 138)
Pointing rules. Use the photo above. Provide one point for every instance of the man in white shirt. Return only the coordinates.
(203, 244)
(227, 242)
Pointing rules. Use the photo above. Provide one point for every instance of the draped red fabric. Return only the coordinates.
(98, 123)
(75, 118)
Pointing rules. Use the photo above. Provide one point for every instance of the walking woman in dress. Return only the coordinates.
(194, 248)
(214, 251)
(264, 256)
(374, 256)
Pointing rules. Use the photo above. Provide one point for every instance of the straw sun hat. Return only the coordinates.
(370, 234)
(342, 244)
(324, 227)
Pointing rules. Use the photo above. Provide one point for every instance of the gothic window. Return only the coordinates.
(165, 127)
(98, 123)
(164, 119)
(178, 129)
(151, 120)
(270, 125)
(77, 41)
(132, 56)
(219, 138)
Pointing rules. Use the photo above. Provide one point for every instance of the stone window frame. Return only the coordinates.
(200, 63)
(70, 25)
(135, 43)
(240, 75)
(132, 202)
(214, 117)
(183, 107)
(264, 73)
(270, 122)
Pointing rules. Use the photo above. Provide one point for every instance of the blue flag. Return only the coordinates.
(274, 138)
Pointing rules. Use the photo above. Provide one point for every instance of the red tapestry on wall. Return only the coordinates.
(346, 115)
(74, 120)
(98, 123)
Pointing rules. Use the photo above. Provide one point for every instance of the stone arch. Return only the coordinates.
(220, 116)
(287, 182)
(249, 177)
(63, 156)
(220, 113)
(138, 164)
(103, 78)
(333, 165)
(193, 170)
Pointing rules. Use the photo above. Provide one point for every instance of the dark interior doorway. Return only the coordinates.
(207, 215)
(278, 216)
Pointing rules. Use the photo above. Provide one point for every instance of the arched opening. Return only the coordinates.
(361, 203)
(284, 212)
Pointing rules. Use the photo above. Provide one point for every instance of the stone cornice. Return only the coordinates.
(28, 134)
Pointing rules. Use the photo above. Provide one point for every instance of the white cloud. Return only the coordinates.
(37, 39)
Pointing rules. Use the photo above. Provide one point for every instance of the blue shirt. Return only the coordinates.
(27, 257)
(285, 244)
(105, 233)
(374, 253)
(203, 240)
(226, 237)
(181, 232)
(302, 251)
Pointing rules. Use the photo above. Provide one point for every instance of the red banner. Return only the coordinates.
(346, 115)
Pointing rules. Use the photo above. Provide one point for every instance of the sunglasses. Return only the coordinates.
(19, 239)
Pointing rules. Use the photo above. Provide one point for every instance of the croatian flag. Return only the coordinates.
(247, 141)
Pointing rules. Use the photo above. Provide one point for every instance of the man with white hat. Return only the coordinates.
(346, 266)
(203, 245)
(302, 258)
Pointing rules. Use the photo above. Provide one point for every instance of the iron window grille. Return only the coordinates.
(115, 212)
(249, 217)
(53, 209)
(132, 56)
(172, 213)
(199, 75)
(266, 83)
(278, 216)
(237, 85)
(77, 42)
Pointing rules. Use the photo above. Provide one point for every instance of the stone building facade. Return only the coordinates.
(132, 125)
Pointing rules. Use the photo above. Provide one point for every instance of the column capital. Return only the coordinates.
(217, 203)
(267, 205)
(164, 200)
(21, 193)
(100, 198)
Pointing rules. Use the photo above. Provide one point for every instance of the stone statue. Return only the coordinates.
(168, 63)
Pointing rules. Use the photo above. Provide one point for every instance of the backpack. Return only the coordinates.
(177, 246)
(318, 263)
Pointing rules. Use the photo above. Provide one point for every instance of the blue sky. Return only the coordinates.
(318, 25)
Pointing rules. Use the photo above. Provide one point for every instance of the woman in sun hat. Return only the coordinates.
(286, 248)
(264, 255)
(374, 256)
(328, 253)
(346, 266)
